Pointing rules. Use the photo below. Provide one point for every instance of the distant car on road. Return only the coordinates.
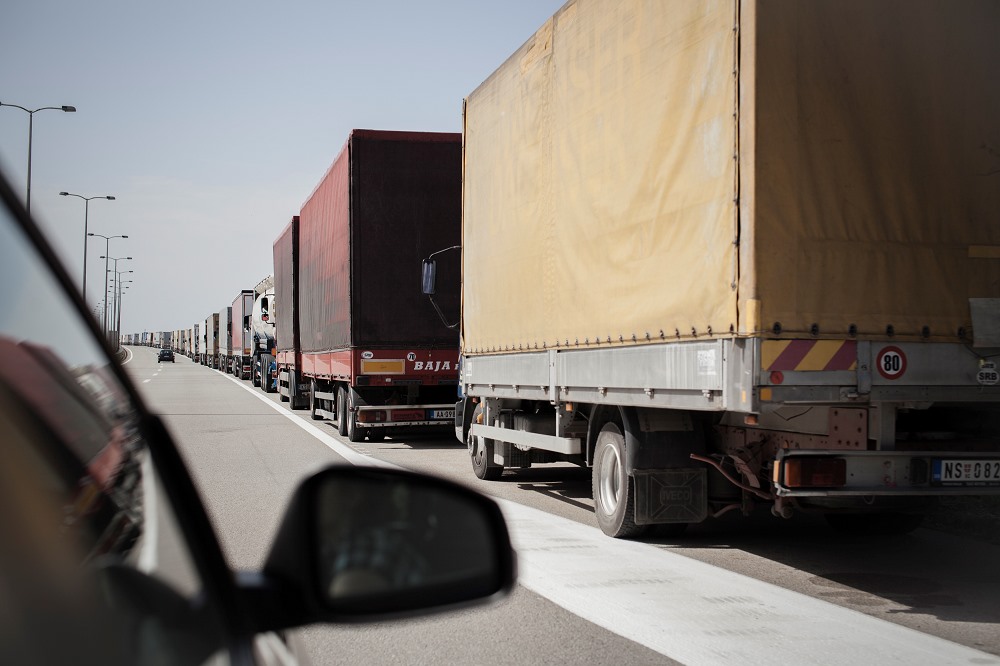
(165, 355)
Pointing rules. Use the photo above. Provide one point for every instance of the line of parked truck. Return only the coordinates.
(235, 340)
(340, 328)
(725, 254)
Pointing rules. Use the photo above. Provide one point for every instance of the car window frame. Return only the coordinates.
(218, 581)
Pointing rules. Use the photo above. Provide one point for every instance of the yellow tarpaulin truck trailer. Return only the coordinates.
(736, 252)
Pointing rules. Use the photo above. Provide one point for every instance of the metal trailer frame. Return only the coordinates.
(725, 376)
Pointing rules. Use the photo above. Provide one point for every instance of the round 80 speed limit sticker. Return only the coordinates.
(891, 362)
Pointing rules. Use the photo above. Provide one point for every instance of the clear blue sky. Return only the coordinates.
(212, 121)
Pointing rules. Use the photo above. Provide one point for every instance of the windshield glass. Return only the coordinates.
(91, 549)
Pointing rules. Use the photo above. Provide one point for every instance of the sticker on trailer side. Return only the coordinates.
(891, 362)
(988, 374)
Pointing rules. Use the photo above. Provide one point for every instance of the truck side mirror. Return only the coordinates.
(246, 323)
(428, 276)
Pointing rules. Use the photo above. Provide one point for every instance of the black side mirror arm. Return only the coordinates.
(428, 282)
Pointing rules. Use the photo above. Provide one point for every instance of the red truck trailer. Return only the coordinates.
(352, 340)
(292, 386)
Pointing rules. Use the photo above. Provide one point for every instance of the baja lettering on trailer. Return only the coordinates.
(432, 366)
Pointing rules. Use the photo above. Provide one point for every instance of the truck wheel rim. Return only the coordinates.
(609, 484)
(476, 448)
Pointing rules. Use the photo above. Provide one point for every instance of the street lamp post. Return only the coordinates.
(114, 290)
(122, 285)
(31, 121)
(116, 303)
(86, 209)
(107, 251)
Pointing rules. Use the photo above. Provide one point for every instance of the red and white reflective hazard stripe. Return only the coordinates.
(808, 355)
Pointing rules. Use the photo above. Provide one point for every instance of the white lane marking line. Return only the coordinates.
(697, 613)
(145, 381)
(692, 612)
(128, 355)
(150, 528)
(342, 450)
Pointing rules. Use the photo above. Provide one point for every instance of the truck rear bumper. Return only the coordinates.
(829, 473)
(408, 424)
(387, 416)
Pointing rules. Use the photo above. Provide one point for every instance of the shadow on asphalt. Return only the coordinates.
(927, 572)
(432, 441)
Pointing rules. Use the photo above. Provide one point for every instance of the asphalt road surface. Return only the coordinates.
(756, 590)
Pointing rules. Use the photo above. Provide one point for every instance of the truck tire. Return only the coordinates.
(481, 453)
(342, 414)
(295, 400)
(354, 433)
(614, 489)
(312, 402)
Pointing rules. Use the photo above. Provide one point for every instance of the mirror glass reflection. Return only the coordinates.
(385, 537)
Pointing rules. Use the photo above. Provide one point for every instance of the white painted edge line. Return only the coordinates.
(690, 611)
(697, 613)
(274, 650)
(150, 530)
(338, 447)
(128, 355)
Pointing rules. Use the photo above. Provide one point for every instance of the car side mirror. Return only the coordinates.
(428, 276)
(361, 544)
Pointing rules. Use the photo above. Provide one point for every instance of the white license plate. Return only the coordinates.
(442, 413)
(967, 472)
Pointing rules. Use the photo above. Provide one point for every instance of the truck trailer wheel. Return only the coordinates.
(354, 433)
(481, 452)
(295, 400)
(614, 489)
(312, 402)
(341, 409)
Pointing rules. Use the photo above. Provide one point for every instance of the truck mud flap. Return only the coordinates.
(671, 496)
